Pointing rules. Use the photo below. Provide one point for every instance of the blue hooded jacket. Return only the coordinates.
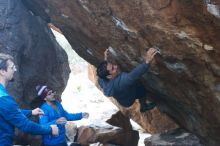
(125, 87)
(51, 116)
(12, 116)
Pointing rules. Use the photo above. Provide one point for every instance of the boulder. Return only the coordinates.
(115, 131)
(177, 137)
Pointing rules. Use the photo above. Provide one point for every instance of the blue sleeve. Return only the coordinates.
(16, 118)
(27, 113)
(71, 116)
(45, 119)
(131, 77)
(100, 82)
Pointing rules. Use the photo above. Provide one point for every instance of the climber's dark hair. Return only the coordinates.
(102, 71)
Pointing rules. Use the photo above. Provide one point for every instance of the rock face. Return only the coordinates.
(178, 137)
(39, 59)
(37, 56)
(128, 137)
(152, 121)
(185, 78)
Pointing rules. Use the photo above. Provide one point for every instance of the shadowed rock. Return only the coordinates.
(178, 137)
(121, 134)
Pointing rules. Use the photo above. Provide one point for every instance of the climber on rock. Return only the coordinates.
(125, 87)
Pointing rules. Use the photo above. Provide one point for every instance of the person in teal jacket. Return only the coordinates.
(11, 115)
(54, 113)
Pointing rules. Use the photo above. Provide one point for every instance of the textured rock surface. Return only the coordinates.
(38, 58)
(185, 78)
(152, 121)
(128, 137)
(176, 137)
(119, 132)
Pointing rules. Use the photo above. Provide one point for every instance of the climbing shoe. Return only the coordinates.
(147, 106)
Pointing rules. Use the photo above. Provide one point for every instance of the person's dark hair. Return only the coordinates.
(102, 71)
(3, 60)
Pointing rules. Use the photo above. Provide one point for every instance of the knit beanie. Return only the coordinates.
(42, 91)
